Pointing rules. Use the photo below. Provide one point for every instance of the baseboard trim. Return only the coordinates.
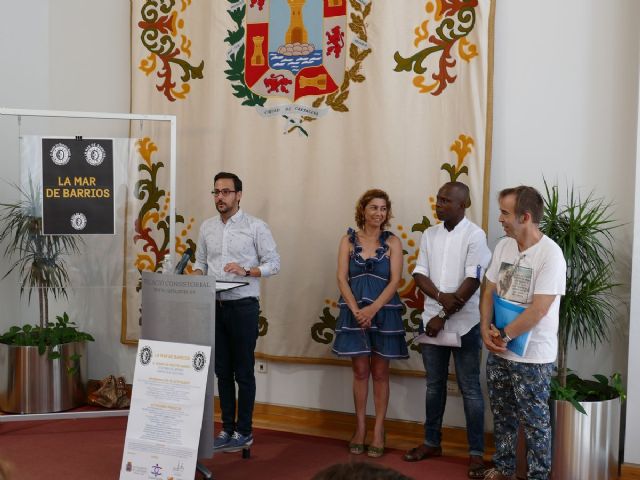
(401, 434)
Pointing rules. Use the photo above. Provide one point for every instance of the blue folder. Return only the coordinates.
(505, 312)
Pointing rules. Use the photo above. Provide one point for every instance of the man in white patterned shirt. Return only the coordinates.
(235, 246)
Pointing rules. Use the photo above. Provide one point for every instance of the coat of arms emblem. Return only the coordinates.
(285, 51)
(295, 48)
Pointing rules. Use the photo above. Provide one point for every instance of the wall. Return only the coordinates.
(566, 108)
(632, 439)
(566, 96)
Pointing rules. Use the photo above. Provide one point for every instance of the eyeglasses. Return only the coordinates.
(225, 192)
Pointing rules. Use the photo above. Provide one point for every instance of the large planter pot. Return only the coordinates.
(585, 447)
(32, 383)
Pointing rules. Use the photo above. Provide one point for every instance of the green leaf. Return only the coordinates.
(422, 226)
(583, 227)
(602, 379)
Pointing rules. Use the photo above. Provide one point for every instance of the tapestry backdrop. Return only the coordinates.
(310, 102)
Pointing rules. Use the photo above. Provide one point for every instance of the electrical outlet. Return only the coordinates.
(261, 366)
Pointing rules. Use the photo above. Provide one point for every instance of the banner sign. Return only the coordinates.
(77, 186)
(167, 402)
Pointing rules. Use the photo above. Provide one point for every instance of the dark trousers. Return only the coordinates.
(236, 335)
(467, 362)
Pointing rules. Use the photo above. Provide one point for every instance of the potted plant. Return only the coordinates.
(42, 367)
(584, 409)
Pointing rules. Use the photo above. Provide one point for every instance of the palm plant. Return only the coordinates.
(583, 230)
(39, 259)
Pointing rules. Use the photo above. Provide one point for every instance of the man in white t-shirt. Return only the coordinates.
(452, 260)
(527, 271)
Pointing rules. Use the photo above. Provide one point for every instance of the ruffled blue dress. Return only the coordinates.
(368, 278)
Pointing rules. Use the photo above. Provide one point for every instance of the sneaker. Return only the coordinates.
(222, 440)
(495, 474)
(239, 441)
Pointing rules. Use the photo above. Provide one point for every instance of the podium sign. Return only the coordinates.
(77, 186)
(167, 403)
(182, 308)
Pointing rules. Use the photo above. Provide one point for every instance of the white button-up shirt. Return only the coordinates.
(447, 258)
(245, 240)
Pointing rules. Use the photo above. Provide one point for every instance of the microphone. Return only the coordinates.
(182, 264)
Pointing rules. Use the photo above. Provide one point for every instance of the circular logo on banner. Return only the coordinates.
(145, 355)
(60, 154)
(94, 154)
(78, 221)
(199, 361)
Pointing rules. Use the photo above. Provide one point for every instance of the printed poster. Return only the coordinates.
(167, 404)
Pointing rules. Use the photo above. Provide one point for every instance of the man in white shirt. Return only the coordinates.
(528, 274)
(452, 259)
(235, 246)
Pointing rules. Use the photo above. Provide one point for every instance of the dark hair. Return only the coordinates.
(364, 200)
(359, 471)
(528, 199)
(237, 183)
(462, 190)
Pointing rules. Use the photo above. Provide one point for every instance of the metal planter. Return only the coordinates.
(32, 383)
(586, 447)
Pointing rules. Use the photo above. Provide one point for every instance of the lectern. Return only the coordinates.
(183, 311)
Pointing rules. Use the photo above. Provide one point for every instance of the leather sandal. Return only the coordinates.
(377, 452)
(477, 467)
(422, 452)
(356, 448)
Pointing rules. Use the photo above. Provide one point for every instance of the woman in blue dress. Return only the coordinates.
(369, 328)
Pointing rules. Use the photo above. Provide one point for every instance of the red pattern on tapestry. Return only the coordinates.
(452, 7)
(255, 70)
(277, 83)
(335, 41)
(314, 81)
(332, 8)
(258, 3)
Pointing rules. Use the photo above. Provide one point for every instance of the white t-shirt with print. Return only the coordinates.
(540, 270)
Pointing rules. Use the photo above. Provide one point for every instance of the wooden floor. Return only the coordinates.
(401, 435)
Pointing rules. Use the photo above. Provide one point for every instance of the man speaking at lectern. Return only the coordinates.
(235, 246)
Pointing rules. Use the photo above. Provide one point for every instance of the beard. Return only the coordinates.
(222, 207)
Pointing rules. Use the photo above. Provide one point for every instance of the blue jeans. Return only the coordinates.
(467, 363)
(236, 336)
(519, 393)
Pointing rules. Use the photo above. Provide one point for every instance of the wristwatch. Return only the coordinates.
(247, 272)
(503, 335)
(442, 314)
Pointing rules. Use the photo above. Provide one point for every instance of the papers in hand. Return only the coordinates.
(505, 312)
(444, 339)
